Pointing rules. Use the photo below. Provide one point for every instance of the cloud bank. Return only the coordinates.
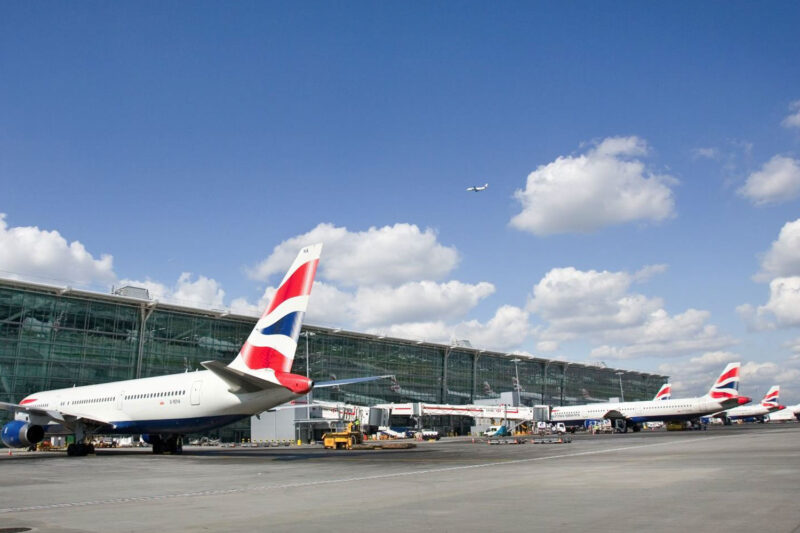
(607, 185)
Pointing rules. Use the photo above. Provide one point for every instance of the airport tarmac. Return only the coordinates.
(740, 478)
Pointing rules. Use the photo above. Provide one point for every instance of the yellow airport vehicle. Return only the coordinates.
(343, 439)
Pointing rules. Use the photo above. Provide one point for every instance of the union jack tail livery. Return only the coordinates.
(273, 341)
(664, 393)
(727, 384)
(770, 400)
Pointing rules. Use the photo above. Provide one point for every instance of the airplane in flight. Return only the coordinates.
(478, 188)
(163, 409)
(767, 405)
(724, 393)
(664, 393)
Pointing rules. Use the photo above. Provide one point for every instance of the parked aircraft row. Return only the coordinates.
(165, 408)
(722, 401)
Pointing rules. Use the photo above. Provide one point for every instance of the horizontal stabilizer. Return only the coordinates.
(237, 380)
(338, 382)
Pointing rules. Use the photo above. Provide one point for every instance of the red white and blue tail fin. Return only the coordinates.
(771, 398)
(273, 341)
(664, 393)
(727, 384)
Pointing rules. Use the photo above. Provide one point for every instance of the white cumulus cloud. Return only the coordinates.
(199, 292)
(417, 301)
(27, 252)
(506, 330)
(575, 302)
(599, 307)
(783, 304)
(793, 119)
(388, 255)
(607, 185)
(783, 258)
(777, 181)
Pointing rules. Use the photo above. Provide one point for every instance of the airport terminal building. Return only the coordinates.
(57, 337)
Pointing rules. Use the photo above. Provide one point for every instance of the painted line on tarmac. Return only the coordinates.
(223, 492)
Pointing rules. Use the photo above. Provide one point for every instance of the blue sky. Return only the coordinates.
(198, 144)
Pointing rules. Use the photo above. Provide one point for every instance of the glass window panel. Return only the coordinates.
(11, 305)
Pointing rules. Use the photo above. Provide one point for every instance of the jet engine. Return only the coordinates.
(21, 434)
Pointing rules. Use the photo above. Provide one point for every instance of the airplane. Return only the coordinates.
(767, 405)
(478, 188)
(789, 414)
(723, 393)
(664, 393)
(164, 408)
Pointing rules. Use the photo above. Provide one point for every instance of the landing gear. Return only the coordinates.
(636, 428)
(80, 449)
(172, 444)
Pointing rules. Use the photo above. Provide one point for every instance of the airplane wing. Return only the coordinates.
(239, 381)
(55, 416)
(337, 382)
(16, 408)
(613, 414)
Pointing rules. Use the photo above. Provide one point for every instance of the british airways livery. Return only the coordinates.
(724, 393)
(768, 404)
(664, 393)
(165, 408)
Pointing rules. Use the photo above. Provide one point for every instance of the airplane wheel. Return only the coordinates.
(72, 450)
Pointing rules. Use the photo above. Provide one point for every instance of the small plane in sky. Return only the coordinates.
(478, 188)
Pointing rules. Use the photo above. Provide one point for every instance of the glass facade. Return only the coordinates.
(52, 338)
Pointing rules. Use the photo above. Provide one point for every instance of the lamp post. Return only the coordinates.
(308, 334)
(621, 393)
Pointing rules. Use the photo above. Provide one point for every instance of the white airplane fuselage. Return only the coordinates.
(787, 414)
(638, 412)
(749, 411)
(178, 403)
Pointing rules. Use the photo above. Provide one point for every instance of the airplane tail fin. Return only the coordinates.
(664, 393)
(727, 384)
(771, 398)
(273, 341)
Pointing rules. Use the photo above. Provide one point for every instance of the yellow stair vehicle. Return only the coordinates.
(344, 439)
